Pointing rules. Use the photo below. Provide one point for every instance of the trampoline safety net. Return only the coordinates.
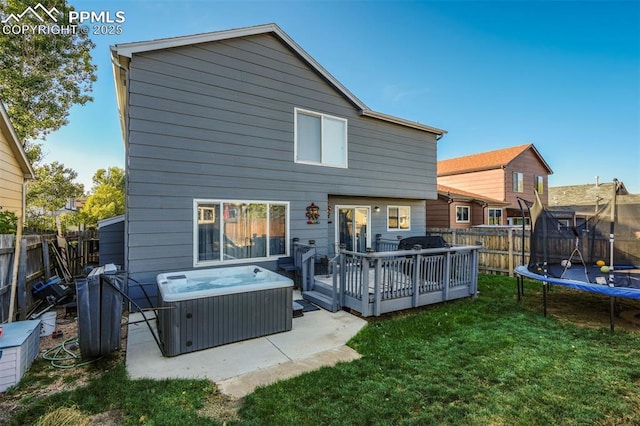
(610, 237)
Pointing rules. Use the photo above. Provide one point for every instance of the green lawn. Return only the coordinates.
(474, 362)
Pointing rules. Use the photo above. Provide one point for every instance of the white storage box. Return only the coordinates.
(19, 346)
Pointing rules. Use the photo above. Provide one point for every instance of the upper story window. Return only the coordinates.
(398, 218)
(228, 231)
(462, 214)
(518, 182)
(538, 182)
(320, 139)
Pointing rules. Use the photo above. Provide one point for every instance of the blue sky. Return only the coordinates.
(563, 75)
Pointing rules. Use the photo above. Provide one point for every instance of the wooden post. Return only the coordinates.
(364, 281)
(46, 261)
(417, 278)
(510, 259)
(14, 278)
(62, 242)
(474, 273)
(81, 257)
(22, 280)
(343, 275)
(447, 276)
(377, 291)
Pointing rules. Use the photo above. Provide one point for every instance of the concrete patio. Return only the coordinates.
(316, 339)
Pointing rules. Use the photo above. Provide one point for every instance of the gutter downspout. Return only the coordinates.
(24, 201)
(122, 94)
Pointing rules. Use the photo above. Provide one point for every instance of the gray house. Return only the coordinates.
(238, 141)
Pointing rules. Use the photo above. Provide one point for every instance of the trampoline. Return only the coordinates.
(601, 255)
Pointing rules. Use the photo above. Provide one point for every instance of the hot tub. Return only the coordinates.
(205, 308)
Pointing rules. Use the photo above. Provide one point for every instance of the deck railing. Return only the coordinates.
(304, 259)
(379, 282)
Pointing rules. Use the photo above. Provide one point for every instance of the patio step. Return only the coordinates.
(323, 287)
(319, 299)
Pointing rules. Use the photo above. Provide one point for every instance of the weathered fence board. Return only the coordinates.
(7, 243)
(35, 264)
(502, 247)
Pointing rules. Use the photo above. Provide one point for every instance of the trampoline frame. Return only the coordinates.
(607, 290)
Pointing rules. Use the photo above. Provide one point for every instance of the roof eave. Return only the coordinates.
(128, 49)
(15, 145)
(120, 81)
(472, 170)
(468, 199)
(544, 163)
(402, 122)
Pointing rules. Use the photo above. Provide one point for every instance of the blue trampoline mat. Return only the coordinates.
(626, 281)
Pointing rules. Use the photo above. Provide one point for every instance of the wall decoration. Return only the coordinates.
(312, 214)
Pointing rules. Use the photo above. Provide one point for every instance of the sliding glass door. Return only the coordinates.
(352, 227)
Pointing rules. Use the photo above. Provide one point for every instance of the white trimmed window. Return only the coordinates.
(495, 217)
(539, 184)
(232, 230)
(518, 182)
(320, 139)
(462, 214)
(398, 218)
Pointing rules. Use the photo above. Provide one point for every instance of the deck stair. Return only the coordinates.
(321, 293)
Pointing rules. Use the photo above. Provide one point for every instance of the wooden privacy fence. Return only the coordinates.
(41, 257)
(31, 268)
(502, 247)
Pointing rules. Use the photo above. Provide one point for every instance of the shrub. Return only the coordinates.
(8, 222)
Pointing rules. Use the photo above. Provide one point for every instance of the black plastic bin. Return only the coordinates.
(51, 291)
(99, 303)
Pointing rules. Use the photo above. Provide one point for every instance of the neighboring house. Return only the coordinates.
(15, 169)
(504, 175)
(574, 204)
(73, 205)
(456, 208)
(239, 141)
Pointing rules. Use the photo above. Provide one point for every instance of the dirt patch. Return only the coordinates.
(220, 407)
(586, 309)
(44, 379)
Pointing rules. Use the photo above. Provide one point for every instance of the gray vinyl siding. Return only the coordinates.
(216, 120)
(112, 244)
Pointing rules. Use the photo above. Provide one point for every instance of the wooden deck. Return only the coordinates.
(377, 283)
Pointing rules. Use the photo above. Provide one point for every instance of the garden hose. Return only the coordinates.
(65, 355)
